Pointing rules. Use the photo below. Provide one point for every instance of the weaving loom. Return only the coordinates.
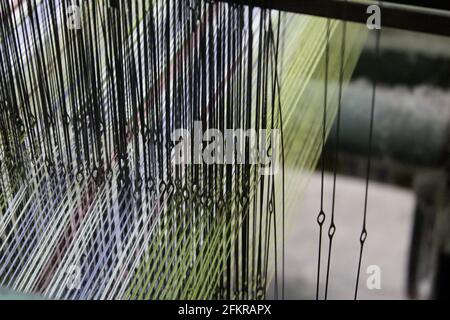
(92, 203)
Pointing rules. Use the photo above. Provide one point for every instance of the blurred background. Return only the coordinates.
(407, 217)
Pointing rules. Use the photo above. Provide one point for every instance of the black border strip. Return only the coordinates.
(392, 15)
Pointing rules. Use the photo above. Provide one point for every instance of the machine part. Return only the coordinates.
(411, 15)
(427, 260)
(408, 129)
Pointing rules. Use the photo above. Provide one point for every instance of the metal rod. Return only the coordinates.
(422, 17)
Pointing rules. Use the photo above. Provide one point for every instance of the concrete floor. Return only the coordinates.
(389, 223)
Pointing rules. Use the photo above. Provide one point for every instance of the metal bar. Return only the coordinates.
(6, 294)
(432, 4)
(434, 18)
(407, 131)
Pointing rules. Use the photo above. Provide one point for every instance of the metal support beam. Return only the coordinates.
(432, 17)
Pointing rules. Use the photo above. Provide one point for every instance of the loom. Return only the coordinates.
(92, 205)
